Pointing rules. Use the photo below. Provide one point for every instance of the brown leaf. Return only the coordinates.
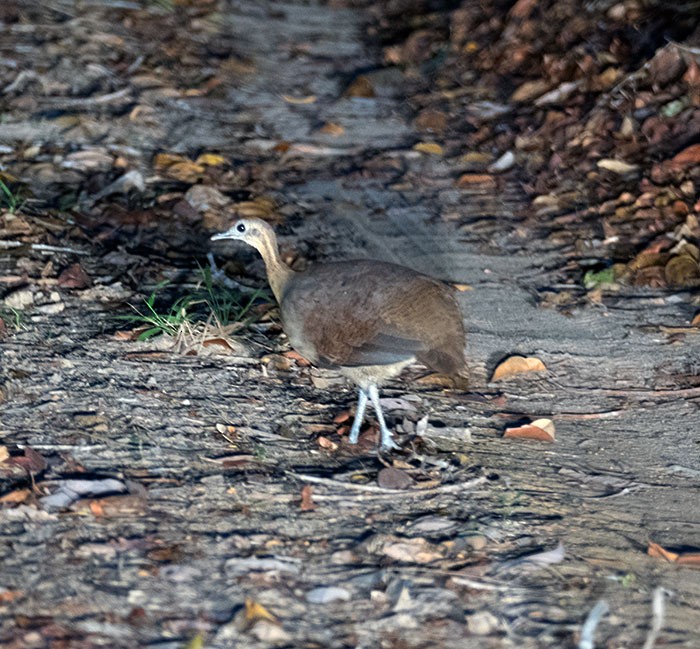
(391, 478)
(300, 101)
(540, 429)
(522, 9)
(333, 129)
(432, 148)
(344, 416)
(682, 270)
(307, 503)
(695, 322)
(360, 87)
(655, 550)
(296, 356)
(690, 559)
(74, 277)
(517, 365)
(16, 497)
(689, 155)
(31, 461)
(255, 611)
(327, 444)
(10, 595)
(470, 180)
(3, 329)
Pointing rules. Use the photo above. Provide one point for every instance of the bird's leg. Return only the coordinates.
(387, 442)
(359, 416)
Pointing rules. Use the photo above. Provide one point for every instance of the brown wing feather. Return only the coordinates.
(373, 313)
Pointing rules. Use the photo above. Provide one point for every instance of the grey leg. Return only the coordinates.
(359, 416)
(387, 442)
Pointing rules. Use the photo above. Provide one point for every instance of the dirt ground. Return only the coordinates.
(156, 494)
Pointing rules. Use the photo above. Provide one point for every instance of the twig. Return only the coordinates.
(589, 626)
(658, 613)
(393, 492)
(40, 247)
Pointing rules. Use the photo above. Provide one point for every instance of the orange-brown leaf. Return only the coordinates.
(655, 550)
(541, 430)
(307, 503)
(517, 365)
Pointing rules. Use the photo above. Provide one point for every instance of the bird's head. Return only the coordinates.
(254, 232)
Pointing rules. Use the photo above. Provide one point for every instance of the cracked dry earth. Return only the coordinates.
(203, 537)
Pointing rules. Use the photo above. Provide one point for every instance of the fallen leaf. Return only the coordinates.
(341, 417)
(695, 322)
(691, 559)
(617, 166)
(296, 356)
(74, 276)
(360, 87)
(655, 550)
(7, 596)
(333, 129)
(682, 270)
(301, 101)
(15, 497)
(432, 148)
(391, 478)
(689, 155)
(327, 444)
(4, 453)
(543, 432)
(469, 180)
(307, 503)
(517, 365)
(255, 611)
(211, 160)
(31, 461)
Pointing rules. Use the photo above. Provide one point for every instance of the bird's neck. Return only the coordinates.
(278, 273)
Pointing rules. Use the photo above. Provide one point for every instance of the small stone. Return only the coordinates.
(328, 594)
(482, 623)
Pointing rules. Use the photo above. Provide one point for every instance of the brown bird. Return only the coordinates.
(368, 319)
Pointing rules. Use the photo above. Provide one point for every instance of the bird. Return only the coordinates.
(368, 319)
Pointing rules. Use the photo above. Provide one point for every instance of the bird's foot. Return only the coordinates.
(388, 443)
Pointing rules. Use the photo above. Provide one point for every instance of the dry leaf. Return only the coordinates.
(540, 429)
(310, 99)
(211, 160)
(341, 417)
(695, 322)
(517, 365)
(360, 87)
(691, 559)
(255, 611)
(16, 497)
(10, 595)
(469, 180)
(429, 147)
(297, 357)
(655, 550)
(327, 444)
(74, 276)
(617, 166)
(333, 129)
(307, 503)
(4, 453)
(392, 478)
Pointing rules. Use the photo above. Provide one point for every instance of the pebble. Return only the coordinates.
(328, 594)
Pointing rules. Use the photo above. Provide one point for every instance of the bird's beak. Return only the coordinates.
(221, 235)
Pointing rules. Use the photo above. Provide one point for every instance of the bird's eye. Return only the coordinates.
(240, 227)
